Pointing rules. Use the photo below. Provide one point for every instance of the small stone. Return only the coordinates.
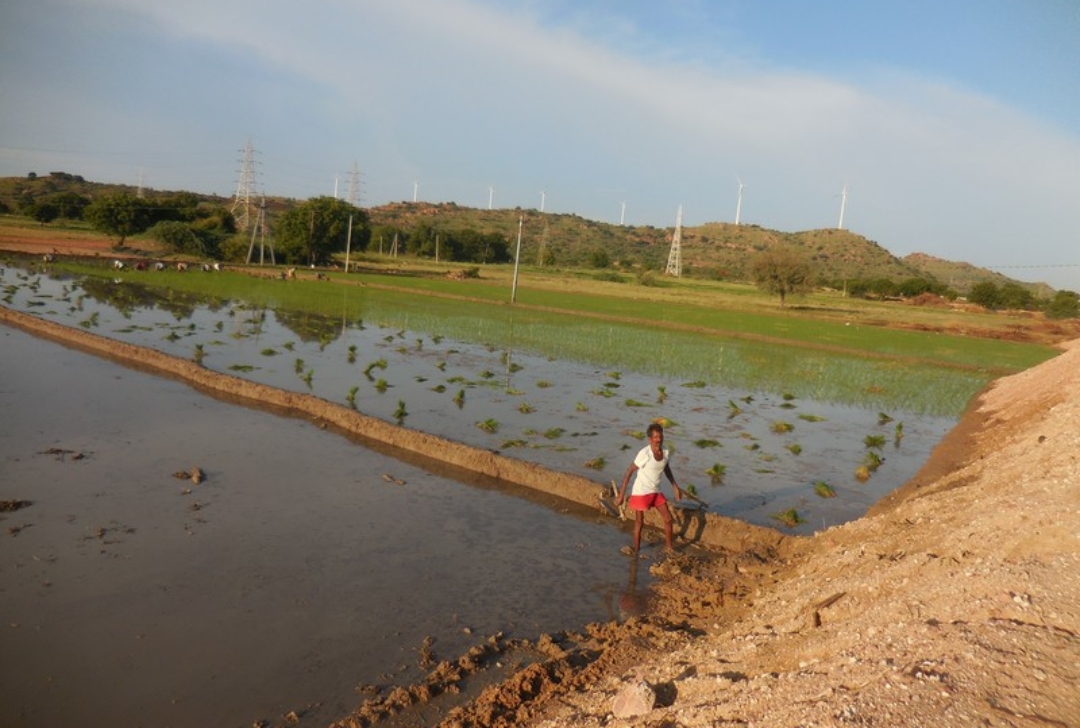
(635, 698)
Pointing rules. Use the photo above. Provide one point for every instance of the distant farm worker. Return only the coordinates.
(649, 464)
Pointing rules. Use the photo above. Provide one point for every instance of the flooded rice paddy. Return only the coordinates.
(750, 454)
(307, 565)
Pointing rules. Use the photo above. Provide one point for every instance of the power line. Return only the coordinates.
(1045, 265)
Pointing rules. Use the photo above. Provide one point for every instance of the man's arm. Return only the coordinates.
(626, 481)
(674, 485)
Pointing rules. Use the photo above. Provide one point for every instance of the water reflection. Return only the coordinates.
(293, 573)
(634, 601)
(752, 455)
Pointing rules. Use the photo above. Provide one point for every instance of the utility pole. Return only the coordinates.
(348, 244)
(517, 261)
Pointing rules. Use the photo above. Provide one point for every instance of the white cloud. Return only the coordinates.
(463, 95)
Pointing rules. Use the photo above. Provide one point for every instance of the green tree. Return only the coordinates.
(1016, 297)
(120, 215)
(421, 242)
(599, 258)
(70, 204)
(985, 294)
(1064, 304)
(45, 212)
(382, 238)
(471, 246)
(783, 272)
(187, 238)
(882, 288)
(316, 229)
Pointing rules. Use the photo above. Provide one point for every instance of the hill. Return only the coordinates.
(712, 250)
(962, 276)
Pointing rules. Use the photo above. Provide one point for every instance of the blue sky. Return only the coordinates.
(954, 124)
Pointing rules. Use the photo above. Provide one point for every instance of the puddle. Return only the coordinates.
(292, 574)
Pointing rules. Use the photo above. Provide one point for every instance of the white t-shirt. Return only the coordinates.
(649, 472)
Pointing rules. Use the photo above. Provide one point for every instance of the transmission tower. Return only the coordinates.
(243, 208)
(261, 229)
(353, 195)
(674, 261)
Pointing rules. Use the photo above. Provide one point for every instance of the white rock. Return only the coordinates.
(635, 698)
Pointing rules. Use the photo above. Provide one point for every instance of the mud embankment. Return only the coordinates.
(707, 529)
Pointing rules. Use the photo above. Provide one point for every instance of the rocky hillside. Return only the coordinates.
(713, 250)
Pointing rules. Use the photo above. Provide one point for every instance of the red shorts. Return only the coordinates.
(645, 502)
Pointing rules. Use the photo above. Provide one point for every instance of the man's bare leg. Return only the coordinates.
(665, 514)
(639, 521)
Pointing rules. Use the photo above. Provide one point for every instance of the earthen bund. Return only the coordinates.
(695, 526)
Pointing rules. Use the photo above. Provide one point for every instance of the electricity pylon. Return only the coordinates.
(262, 230)
(245, 190)
(353, 194)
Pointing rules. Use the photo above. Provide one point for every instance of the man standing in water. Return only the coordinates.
(649, 464)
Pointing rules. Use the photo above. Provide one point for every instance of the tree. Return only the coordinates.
(985, 294)
(782, 272)
(599, 258)
(188, 238)
(1016, 297)
(70, 204)
(1064, 304)
(120, 215)
(313, 230)
(45, 212)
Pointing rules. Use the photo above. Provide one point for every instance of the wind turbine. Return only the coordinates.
(543, 198)
(843, 204)
(622, 214)
(491, 196)
(738, 206)
(415, 189)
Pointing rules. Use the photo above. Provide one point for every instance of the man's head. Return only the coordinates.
(656, 437)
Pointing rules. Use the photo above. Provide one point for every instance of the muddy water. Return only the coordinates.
(293, 574)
